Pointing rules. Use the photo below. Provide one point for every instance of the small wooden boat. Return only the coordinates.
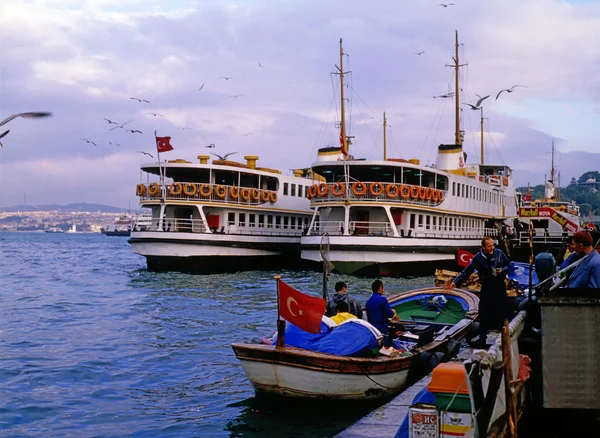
(428, 319)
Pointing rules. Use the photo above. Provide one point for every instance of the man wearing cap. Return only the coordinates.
(587, 273)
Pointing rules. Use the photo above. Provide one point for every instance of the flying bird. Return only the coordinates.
(116, 144)
(236, 96)
(156, 114)
(183, 129)
(225, 77)
(212, 145)
(473, 107)
(110, 122)
(445, 5)
(120, 126)
(139, 100)
(509, 90)
(2, 135)
(25, 116)
(419, 53)
(133, 131)
(224, 157)
(444, 96)
(260, 65)
(248, 134)
(201, 87)
(89, 141)
(481, 99)
(145, 153)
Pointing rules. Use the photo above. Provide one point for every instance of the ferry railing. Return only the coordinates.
(541, 237)
(212, 198)
(366, 228)
(333, 228)
(197, 226)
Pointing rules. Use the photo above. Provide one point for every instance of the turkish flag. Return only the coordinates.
(300, 309)
(342, 145)
(527, 198)
(163, 144)
(463, 258)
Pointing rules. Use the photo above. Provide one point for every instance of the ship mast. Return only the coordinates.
(481, 111)
(384, 137)
(552, 168)
(458, 136)
(343, 139)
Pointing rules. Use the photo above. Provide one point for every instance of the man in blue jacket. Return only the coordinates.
(587, 273)
(492, 266)
(379, 311)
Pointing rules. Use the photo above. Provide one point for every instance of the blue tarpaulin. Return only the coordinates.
(519, 273)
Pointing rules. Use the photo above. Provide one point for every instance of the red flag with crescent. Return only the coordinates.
(463, 258)
(300, 309)
(163, 144)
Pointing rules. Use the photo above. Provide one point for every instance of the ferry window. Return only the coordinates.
(231, 218)
(420, 220)
(412, 220)
(427, 223)
(285, 188)
(411, 176)
(270, 221)
(277, 221)
(293, 193)
(305, 222)
(261, 221)
(453, 189)
(252, 220)
(441, 182)
(285, 222)
(293, 220)
(300, 190)
(242, 220)
(427, 179)
(434, 222)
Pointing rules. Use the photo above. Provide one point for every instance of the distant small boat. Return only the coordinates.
(124, 224)
(54, 230)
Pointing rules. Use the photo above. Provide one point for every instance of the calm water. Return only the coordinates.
(91, 344)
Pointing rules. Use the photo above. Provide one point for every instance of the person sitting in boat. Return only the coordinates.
(379, 312)
(339, 296)
(343, 313)
(571, 255)
(587, 273)
(492, 266)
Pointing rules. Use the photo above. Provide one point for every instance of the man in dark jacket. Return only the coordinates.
(492, 266)
(342, 295)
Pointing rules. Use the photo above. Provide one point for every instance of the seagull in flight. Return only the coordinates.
(183, 129)
(473, 107)
(225, 77)
(110, 122)
(133, 131)
(212, 145)
(25, 116)
(116, 144)
(481, 99)
(201, 87)
(120, 126)
(510, 90)
(260, 65)
(156, 114)
(445, 5)
(145, 153)
(419, 53)
(224, 157)
(2, 135)
(444, 96)
(89, 141)
(236, 96)
(248, 134)
(139, 100)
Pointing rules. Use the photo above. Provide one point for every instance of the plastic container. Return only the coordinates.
(448, 381)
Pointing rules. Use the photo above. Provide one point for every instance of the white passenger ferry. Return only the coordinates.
(397, 216)
(221, 216)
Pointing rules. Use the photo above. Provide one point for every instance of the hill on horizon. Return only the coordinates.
(81, 206)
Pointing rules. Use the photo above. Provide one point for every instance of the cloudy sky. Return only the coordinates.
(84, 60)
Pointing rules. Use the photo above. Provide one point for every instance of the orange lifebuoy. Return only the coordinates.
(175, 189)
(153, 189)
(441, 195)
(264, 196)
(376, 189)
(359, 185)
(421, 192)
(414, 192)
(255, 194)
(338, 189)
(205, 190)
(404, 192)
(140, 189)
(312, 191)
(190, 189)
(245, 194)
(434, 195)
(323, 189)
(220, 192)
(234, 192)
(392, 191)
(273, 197)
(428, 193)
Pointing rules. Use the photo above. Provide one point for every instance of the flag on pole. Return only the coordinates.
(163, 144)
(300, 309)
(342, 143)
(463, 258)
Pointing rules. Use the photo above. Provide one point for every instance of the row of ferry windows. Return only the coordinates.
(267, 221)
(294, 189)
(466, 191)
(443, 223)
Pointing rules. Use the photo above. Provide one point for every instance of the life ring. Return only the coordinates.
(205, 190)
(153, 189)
(323, 189)
(140, 189)
(338, 189)
(190, 189)
(434, 195)
(175, 188)
(273, 197)
(414, 192)
(245, 194)
(312, 191)
(404, 192)
(376, 189)
(264, 196)
(220, 192)
(359, 189)
(428, 193)
(392, 191)
(441, 195)
(234, 192)
(421, 192)
(255, 194)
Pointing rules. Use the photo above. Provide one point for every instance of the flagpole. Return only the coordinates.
(280, 322)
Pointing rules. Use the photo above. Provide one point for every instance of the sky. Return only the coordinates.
(84, 60)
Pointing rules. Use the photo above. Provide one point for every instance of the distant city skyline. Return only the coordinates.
(254, 78)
